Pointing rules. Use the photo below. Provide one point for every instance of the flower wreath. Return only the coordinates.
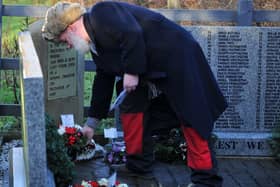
(78, 147)
(101, 183)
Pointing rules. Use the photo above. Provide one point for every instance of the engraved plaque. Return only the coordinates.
(246, 64)
(62, 72)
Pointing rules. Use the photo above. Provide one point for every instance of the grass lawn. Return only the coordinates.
(12, 25)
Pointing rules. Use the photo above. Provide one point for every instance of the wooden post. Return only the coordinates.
(245, 13)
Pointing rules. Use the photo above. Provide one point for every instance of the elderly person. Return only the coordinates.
(163, 70)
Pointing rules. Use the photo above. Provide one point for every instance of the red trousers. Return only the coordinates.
(141, 117)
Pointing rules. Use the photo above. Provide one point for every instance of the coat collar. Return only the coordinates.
(90, 32)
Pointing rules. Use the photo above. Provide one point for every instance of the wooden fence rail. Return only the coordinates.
(245, 15)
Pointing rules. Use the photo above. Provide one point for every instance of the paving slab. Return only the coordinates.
(237, 172)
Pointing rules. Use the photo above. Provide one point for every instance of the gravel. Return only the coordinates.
(4, 166)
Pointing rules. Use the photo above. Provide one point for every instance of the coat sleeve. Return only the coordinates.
(102, 91)
(119, 24)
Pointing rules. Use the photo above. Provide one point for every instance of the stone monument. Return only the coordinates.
(246, 63)
(28, 165)
(63, 70)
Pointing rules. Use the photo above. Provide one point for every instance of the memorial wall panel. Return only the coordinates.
(246, 64)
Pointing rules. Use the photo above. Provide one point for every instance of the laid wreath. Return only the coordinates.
(58, 160)
(78, 147)
(65, 146)
(101, 183)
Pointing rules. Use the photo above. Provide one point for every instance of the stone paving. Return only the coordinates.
(237, 172)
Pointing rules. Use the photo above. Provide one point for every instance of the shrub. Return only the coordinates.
(57, 158)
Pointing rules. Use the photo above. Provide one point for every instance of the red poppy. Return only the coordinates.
(93, 183)
(71, 140)
(70, 130)
(117, 183)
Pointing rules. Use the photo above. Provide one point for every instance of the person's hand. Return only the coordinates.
(130, 82)
(88, 132)
(90, 125)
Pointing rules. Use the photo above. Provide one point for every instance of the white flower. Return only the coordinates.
(103, 182)
(85, 184)
(61, 130)
(92, 141)
(86, 155)
(123, 149)
(122, 185)
(77, 126)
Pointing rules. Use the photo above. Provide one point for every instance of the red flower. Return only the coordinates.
(70, 130)
(71, 140)
(117, 183)
(93, 183)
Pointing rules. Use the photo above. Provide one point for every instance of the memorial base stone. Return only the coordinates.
(243, 144)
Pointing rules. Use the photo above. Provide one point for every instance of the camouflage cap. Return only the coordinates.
(59, 17)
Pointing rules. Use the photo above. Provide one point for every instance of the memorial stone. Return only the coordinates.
(29, 165)
(63, 70)
(246, 64)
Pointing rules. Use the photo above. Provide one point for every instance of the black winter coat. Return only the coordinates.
(135, 40)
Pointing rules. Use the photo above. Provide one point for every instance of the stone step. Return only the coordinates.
(17, 175)
(251, 144)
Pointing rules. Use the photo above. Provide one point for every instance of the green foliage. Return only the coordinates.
(275, 142)
(7, 88)
(9, 93)
(9, 83)
(8, 123)
(167, 153)
(88, 80)
(105, 123)
(58, 160)
(9, 79)
(173, 147)
(23, 2)
(168, 148)
(74, 141)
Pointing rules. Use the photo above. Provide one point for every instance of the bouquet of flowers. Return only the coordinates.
(77, 145)
(116, 153)
(101, 183)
